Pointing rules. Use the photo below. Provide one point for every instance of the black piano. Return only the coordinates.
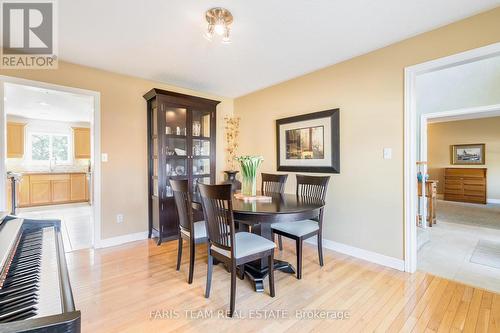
(35, 293)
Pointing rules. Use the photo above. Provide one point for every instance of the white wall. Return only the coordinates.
(442, 135)
(465, 86)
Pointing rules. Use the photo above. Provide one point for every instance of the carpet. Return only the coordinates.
(478, 215)
(487, 253)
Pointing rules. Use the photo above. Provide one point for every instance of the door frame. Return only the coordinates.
(95, 128)
(410, 138)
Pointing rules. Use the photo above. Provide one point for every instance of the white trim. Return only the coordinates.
(357, 252)
(462, 114)
(493, 201)
(95, 144)
(3, 151)
(119, 240)
(410, 147)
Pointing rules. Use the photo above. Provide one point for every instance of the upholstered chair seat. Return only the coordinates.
(200, 230)
(297, 228)
(246, 244)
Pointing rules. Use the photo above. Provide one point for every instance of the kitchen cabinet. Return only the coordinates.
(8, 195)
(40, 190)
(81, 142)
(23, 198)
(15, 140)
(79, 191)
(60, 189)
(181, 145)
(52, 188)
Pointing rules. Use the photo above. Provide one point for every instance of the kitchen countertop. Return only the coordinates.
(52, 172)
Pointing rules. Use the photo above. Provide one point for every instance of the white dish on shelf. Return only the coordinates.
(180, 152)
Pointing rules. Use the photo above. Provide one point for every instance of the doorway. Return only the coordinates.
(49, 155)
(416, 135)
(460, 238)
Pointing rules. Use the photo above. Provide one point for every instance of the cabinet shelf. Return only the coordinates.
(203, 175)
(175, 136)
(206, 138)
(176, 157)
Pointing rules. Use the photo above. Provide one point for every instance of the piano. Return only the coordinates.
(35, 292)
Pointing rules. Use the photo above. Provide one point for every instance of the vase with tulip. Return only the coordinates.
(249, 166)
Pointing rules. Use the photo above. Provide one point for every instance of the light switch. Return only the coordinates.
(104, 157)
(387, 153)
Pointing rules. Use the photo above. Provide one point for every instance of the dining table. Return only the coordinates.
(257, 216)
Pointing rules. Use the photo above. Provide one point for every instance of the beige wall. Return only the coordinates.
(365, 201)
(123, 137)
(440, 136)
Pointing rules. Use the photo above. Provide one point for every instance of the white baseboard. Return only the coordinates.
(361, 253)
(493, 201)
(114, 241)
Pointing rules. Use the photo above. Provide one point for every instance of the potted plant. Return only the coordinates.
(249, 166)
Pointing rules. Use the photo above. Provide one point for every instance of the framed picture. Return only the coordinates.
(472, 154)
(309, 142)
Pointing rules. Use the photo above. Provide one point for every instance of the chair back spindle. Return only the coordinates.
(272, 183)
(312, 186)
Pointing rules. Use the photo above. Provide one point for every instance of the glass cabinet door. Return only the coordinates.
(201, 136)
(154, 148)
(175, 145)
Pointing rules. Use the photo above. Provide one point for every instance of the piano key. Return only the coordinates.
(49, 302)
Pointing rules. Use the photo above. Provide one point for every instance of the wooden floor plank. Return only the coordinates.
(451, 310)
(472, 314)
(135, 288)
(463, 309)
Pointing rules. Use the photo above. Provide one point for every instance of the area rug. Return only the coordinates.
(487, 253)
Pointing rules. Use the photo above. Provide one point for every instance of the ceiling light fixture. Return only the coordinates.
(219, 22)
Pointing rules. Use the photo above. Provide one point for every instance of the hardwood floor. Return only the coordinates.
(135, 288)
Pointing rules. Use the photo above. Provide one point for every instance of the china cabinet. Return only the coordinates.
(181, 145)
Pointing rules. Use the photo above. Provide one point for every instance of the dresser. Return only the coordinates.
(465, 185)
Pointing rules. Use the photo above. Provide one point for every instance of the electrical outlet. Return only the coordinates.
(119, 218)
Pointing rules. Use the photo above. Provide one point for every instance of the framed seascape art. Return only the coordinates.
(309, 142)
(472, 154)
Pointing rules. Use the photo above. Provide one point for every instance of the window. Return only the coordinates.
(46, 147)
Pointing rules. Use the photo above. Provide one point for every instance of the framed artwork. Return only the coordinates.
(309, 142)
(472, 154)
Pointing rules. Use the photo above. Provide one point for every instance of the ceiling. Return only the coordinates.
(272, 40)
(46, 104)
(464, 86)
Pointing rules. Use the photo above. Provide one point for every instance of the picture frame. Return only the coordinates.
(468, 154)
(309, 142)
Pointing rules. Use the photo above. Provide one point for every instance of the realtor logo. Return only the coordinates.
(28, 35)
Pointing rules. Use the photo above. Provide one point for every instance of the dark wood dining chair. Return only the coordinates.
(308, 187)
(233, 249)
(193, 232)
(272, 183)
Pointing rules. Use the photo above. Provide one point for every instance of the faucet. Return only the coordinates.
(52, 167)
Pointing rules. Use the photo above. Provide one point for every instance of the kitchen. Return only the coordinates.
(49, 159)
